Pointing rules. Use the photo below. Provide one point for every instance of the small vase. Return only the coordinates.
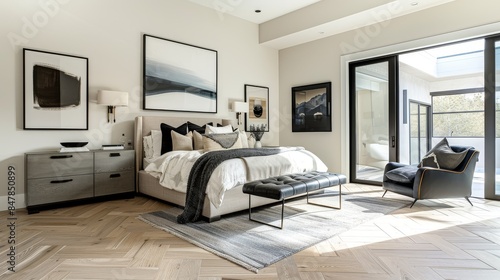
(257, 144)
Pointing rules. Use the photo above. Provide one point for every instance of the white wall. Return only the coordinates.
(109, 33)
(325, 60)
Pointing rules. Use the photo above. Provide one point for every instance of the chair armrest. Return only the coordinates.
(441, 183)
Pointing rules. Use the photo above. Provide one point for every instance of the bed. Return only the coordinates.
(231, 200)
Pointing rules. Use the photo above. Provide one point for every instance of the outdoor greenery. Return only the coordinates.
(459, 115)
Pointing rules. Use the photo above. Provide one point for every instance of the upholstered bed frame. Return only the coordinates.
(234, 199)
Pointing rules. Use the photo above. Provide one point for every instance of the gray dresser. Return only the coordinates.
(54, 178)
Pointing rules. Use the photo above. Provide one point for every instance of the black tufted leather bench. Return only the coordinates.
(283, 187)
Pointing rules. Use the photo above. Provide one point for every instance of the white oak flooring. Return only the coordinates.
(436, 239)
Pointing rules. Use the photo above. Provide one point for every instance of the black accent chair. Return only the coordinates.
(430, 183)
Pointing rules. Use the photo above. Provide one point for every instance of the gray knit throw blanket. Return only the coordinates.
(202, 170)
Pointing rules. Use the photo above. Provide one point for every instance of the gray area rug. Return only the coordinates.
(255, 246)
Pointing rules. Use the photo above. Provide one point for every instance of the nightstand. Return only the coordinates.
(61, 179)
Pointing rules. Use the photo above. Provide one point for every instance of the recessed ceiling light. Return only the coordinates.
(258, 11)
(414, 3)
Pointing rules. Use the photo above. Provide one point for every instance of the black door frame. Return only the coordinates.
(393, 84)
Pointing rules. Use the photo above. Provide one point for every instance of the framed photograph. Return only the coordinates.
(257, 118)
(55, 91)
(311, 108)
(178, 76)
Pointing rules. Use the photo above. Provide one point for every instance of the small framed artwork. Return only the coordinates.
(55, 91)
(178, 76)
(311, 108)
(257, 118)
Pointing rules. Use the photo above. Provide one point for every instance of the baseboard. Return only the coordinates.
(20, 203)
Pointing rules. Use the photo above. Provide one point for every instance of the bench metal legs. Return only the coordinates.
(250, 213)
(325, 205)
(283, 208)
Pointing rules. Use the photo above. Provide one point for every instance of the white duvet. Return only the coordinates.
(172, 169)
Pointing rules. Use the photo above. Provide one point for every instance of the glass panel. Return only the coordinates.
(414, 143)
(372, 121)
(459, 125)
(458, 102)
(423, 131)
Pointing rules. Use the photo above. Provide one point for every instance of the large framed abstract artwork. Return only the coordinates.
(311, 108)
(55, 91)
(178, 76)
(257, 118)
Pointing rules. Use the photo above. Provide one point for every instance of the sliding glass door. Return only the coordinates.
(373, 111)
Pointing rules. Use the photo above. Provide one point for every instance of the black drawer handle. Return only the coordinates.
(59, 157)
(61, 181)
(114, 154)
(115, 176)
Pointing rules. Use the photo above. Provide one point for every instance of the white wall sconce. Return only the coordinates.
(112, 99)
(239, 108)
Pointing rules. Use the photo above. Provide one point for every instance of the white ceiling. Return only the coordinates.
(361, 13)
(245, 9)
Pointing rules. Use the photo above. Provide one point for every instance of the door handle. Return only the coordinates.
(393, 141)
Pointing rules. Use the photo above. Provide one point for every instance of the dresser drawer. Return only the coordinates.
(109, 161)
(114, 182)
(49, 190)
(58, 164)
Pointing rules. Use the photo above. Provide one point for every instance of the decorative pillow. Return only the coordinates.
(243, 138)
(221, 141)
(147, 144)
(405, 174)
(166, 136)
(197, 140)
(157, 139)
(223, 129)
(182, 142)
(442, 156)
(195, 127)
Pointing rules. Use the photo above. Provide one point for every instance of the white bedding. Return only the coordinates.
(173, 168)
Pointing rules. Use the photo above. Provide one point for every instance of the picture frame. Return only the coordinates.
(257, 118)
(55, 91)
(178, 76)
(311, 108)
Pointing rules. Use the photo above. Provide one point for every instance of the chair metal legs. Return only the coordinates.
(413, 203)
(469, 201)
(384, 193)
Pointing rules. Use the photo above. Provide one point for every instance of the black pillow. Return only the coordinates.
(197, 128)
(404, 174)
(166, 136)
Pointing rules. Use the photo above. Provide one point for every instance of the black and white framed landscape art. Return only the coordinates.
(55, 91)
(178, 76)
(311, 108)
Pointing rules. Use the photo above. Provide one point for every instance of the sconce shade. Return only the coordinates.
(112, 98)
(241, 107)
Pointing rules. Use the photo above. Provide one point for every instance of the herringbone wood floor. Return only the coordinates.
(438, 239)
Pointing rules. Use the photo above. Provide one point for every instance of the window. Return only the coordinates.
(459, 113)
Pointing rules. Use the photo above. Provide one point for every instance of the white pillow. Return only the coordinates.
(147, 143)
(223, 129)
(157, 139)
(243, 138)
